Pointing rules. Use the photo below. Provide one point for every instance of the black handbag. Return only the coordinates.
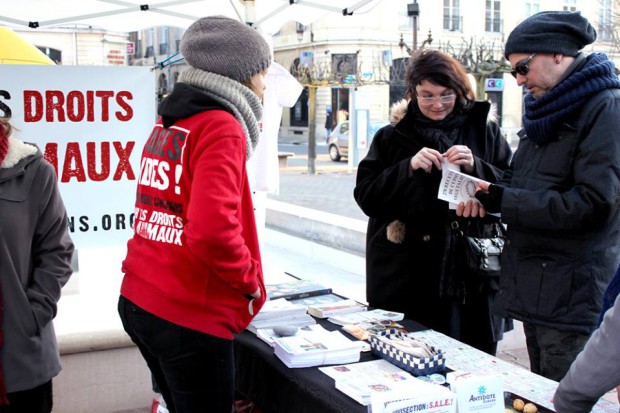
(480, 245)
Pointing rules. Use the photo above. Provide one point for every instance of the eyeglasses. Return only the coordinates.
(522, 67)
(444, 99)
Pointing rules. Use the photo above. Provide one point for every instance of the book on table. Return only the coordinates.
(280, 312)
(315, 346)
(336, 308)
(295, 289)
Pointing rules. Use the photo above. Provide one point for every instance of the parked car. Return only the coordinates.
(338, 141)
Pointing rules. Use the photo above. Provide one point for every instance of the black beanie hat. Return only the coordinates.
(562, 32)
(225, 46)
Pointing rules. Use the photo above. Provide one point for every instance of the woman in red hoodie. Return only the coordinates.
(193, 275)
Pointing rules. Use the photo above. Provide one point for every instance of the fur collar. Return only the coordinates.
(18, 150)
(399, 109)
(396, 228)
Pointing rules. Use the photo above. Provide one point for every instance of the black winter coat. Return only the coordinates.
(406, 276)
(561, 206)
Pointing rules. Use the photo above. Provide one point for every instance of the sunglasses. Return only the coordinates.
(522, 67)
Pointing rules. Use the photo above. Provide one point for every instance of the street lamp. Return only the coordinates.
(427, 41)
(413, 10)
(300, 29)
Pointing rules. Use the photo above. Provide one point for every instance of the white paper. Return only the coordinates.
(375, 315)
(456, 187)
(361, 381)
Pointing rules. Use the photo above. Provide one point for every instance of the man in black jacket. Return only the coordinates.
(560, 197)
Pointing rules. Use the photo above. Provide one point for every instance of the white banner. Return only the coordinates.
(91, 124)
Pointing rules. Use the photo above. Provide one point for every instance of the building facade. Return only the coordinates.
(364, 53)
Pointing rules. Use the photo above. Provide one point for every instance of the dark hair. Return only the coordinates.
(440, 69)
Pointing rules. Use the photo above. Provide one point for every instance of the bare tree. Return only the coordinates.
(323, 71)
(479, 57)
(608, 30)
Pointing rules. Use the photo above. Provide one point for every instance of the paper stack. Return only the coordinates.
(281, 312)
(372, 316)
(389, 389)
(315, 346)
(336, 308)
(360, 380)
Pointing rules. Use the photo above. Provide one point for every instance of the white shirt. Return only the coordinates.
(282, 89)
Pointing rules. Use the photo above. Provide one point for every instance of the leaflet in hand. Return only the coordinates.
(457, 187)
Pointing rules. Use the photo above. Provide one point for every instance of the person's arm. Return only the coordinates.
(591, 199)
(386, 186)
(52, 249)
(596, 369)
(213, 232)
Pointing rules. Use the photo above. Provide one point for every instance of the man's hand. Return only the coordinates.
(490, 196)
(470, 209)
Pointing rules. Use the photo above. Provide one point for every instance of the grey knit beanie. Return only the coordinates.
(551, 32)
(225, 46)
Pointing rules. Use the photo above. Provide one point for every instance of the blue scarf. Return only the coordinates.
(543, 116)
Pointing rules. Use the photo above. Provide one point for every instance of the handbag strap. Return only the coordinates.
(461, 227)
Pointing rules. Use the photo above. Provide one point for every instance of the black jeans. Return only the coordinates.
(552, 351)
(194, 371)
(37, 400)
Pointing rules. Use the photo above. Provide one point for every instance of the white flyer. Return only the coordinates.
(456, 187)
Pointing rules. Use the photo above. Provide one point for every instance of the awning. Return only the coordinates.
(15, 50)
(134, 15)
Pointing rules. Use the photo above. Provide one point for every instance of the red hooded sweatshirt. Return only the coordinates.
(194, 257)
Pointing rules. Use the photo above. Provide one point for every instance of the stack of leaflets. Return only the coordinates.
(360, 380)
(317, 299)
(280, 313)
(296, 289)
(315, 346)
(376, 315)
(336, 308)
(389, 388)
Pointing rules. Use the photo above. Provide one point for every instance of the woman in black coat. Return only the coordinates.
(411, 263)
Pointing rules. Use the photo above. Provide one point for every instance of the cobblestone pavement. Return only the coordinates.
(330, 189)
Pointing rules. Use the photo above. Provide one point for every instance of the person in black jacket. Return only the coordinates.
(329, 123)
(560, 198)
(411, 262)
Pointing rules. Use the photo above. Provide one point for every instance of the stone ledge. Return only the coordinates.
(342, 233)
(87, 341)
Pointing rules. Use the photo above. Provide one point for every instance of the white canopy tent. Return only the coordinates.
(133, 15)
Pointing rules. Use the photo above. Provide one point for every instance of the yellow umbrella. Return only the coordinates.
(15, 50)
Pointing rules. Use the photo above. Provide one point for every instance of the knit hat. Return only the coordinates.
(562, 32)
(226, 47)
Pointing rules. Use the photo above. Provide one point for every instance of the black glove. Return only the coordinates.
(491, 200)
